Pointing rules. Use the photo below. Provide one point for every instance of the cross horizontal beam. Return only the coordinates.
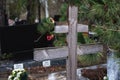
(64, 28)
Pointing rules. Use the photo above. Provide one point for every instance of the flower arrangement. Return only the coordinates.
(46, 25)
(18, 74)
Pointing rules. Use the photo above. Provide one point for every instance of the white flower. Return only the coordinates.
(16, 78)
(10, 77)
(105, 78)
(14, 71)
(18, 74)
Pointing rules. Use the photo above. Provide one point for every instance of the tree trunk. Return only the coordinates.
(2, 12)
(31, 11)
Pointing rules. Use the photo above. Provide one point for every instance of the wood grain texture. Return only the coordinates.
(63, 28)
(72, 43)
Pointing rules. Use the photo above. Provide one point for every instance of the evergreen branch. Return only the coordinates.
(104, 28)
(110, 29)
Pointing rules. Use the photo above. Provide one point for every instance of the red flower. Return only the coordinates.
(50, 37)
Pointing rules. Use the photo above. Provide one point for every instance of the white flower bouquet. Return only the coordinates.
(18, 74)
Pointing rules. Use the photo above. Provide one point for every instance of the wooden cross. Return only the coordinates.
(71, 51)
(72, 28)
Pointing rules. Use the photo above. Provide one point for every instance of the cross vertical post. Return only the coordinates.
(72, 43)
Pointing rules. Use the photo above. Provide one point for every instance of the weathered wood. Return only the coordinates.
(62, 52)
(72, 43)
(64, 28)
(90, 49)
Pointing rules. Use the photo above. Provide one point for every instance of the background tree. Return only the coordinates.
(3, 15)
(15, 8)
(31, 9)
(19, 7)
(105, 15)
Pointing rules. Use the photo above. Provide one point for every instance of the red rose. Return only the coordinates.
(50, 37)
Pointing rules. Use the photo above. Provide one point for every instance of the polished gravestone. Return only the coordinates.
(18, 40)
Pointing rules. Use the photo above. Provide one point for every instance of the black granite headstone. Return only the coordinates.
(18, 40)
